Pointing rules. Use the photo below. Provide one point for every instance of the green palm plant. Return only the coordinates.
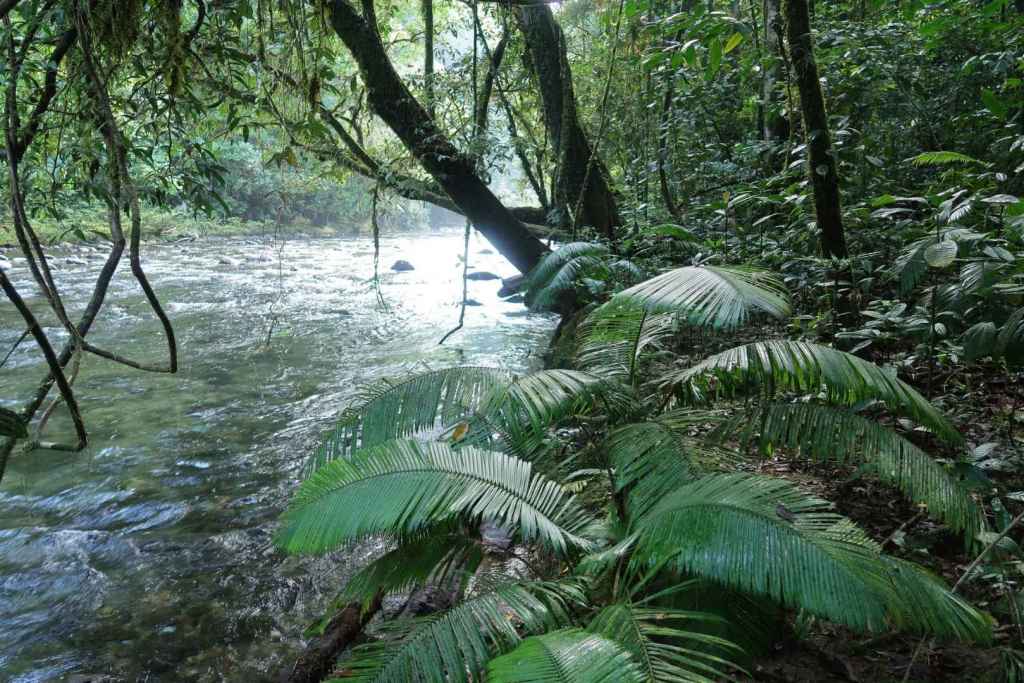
(561, 272)
(423, 462)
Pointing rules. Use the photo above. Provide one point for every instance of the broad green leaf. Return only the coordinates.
(979, 340)
(731, 44)
(941, 254)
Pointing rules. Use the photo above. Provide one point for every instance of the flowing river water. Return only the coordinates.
(149, 556)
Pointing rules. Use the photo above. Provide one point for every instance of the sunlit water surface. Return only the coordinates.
(149, 555)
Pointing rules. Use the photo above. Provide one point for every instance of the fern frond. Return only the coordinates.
(566, 656)
(834, 434)
(811, 368)
(610, 340)
(943, 158)
(711, 296)
(455, 645)
(394, 409)
(663, 649)
(763, 536)
(401, 487)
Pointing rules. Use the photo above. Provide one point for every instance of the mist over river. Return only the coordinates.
(148, 556)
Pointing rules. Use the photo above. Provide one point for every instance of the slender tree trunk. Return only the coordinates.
(495, 58)
(427, 9)
(664, 125)
(821, 157)
(776, 124)
(453, 171)
(547, 59)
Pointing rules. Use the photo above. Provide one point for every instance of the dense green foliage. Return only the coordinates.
(670, 524)
(723, 305)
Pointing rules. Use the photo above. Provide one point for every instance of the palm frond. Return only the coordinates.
(810, 368)
(650, 460)
(763, 536)
(610, 340)
(834, 434)
(558, 271)
(523, 411)
(980, 340)
(455, 645)
(393, 409)
(628, 270)
(402, 487)
(435, 556)
(566, 656)
(1010, 340)
(662, 647)
(712, 296)
(911, 265)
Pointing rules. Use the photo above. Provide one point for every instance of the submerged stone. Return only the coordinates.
(510, 285)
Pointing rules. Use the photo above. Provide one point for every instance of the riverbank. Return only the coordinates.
(89, 225)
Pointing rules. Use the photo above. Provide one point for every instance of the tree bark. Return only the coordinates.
(776, 125)
(664, 125)
(821, 157)
(318, 660)
(453, 171)
(549, 62)
(427, 9)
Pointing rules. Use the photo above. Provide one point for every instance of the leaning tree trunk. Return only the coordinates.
(548, 60)
(821, 157)
(453, 171)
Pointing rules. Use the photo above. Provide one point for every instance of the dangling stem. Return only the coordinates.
(465, 284)
(376, 247)
(600, 130)
(469, 224)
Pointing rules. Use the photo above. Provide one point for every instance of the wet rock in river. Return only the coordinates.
(482, 275)
(401, 266)
(510, 285)
(228, 261)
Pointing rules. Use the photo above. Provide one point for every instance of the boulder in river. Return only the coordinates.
(76, 261)
(481, 275)
(401, 266)
(516, 299)
(473, 302)
(510, 285)
(228, 261)
(5, 264)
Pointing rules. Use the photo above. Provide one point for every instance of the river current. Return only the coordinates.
(149, 556)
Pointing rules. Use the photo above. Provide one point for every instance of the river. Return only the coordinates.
(148, 556)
